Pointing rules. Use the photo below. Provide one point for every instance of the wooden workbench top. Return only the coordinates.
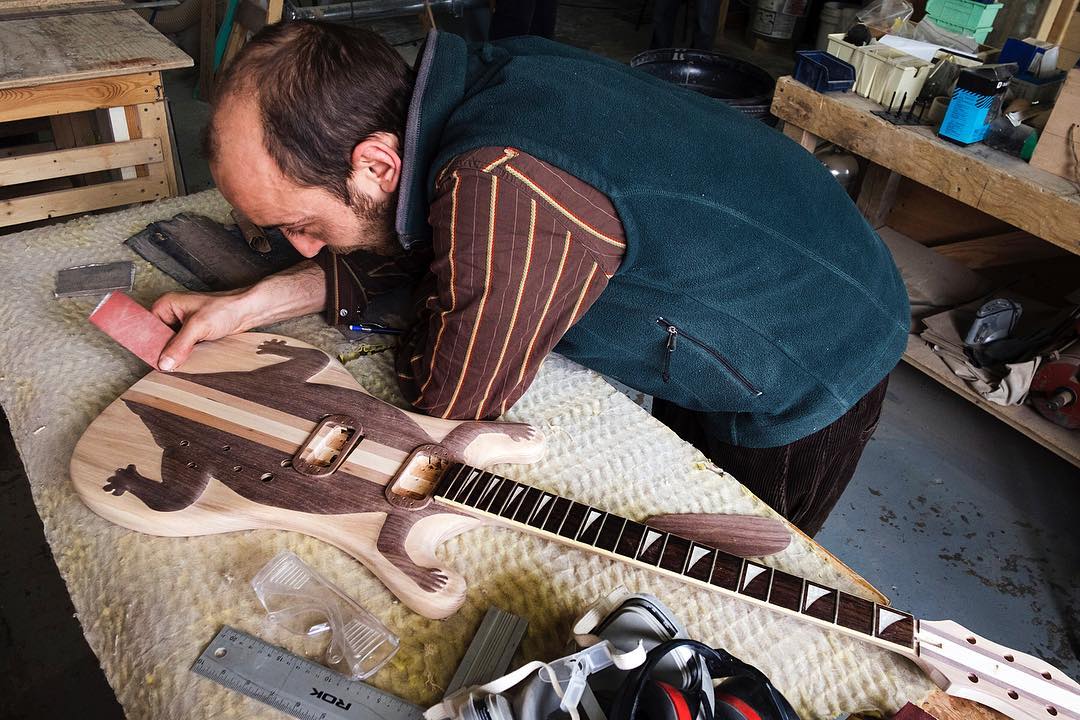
(998, 184)
(82, 45)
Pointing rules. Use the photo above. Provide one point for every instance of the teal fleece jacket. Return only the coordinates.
(751, 289)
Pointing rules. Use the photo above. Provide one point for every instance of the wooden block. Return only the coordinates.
(79, 200)
(808, 140)
(877, 194)
(63, 163)
(996, 250)
(78, 95)
(133, 326)
(932, 218)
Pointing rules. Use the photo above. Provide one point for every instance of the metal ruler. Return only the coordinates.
(293, 684)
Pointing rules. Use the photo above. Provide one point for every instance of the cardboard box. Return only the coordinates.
(1052, 153)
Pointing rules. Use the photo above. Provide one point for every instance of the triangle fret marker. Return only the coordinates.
(887, 617)
(813, 594)
(696, 554)
(543, 501)
(752, 571)
(593, 515)
(515, 492)
(651, 536)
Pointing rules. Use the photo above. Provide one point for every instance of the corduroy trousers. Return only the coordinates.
(802, 480)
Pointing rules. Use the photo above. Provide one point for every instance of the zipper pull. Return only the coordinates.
(672, 341)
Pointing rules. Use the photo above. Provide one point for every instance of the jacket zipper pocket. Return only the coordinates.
(672, 341)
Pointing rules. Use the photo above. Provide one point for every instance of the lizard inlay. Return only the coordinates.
(193, 453)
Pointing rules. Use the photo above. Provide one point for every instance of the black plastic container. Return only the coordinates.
(738, 83)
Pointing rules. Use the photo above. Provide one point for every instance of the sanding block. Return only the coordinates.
(133, 326)
(94, 278)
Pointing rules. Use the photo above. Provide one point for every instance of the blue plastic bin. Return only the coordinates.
(823, 72)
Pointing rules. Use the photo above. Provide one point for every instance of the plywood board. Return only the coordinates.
(17, 103)
(62, 163)
(59, 48)
(1000, 185)
(84, 199)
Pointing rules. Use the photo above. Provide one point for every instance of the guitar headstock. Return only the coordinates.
(970, 666)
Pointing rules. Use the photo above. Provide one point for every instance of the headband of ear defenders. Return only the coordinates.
(720, 663)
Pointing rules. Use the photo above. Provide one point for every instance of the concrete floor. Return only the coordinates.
(951, 513)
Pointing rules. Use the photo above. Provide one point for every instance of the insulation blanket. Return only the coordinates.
(149, 605)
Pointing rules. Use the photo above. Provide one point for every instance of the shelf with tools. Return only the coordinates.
(989, 212)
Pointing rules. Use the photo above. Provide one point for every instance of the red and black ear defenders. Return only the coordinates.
(745, 694)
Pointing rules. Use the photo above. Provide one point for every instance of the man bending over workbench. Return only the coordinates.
(542, 198)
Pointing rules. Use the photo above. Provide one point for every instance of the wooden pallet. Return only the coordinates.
(95, 77)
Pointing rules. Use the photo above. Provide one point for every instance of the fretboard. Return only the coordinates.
(486, 494)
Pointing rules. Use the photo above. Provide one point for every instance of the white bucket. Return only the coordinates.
(836, 17)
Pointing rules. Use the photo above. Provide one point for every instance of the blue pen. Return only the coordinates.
(378, 329)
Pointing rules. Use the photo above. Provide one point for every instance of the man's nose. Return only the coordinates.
(308, 247)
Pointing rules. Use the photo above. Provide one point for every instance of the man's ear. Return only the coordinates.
(376, 165)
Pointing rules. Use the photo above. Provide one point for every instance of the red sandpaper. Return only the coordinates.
(133, 326)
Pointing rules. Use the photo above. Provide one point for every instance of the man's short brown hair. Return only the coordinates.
(320, 89)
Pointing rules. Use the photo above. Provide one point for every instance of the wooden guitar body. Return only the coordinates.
(260, 431)
(210, 449)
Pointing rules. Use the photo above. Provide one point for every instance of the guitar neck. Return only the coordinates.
(483, 494)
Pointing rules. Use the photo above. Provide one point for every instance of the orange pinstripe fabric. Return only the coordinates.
(521, 250)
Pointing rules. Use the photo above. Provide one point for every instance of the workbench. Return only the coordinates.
(91, 74)
(148, 605)
(973, 203)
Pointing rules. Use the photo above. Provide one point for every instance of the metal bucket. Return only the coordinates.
(775, 19)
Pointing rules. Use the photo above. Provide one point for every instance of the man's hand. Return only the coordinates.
(202, 316)
(208, 316)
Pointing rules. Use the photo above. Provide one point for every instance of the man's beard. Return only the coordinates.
(376, 226)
